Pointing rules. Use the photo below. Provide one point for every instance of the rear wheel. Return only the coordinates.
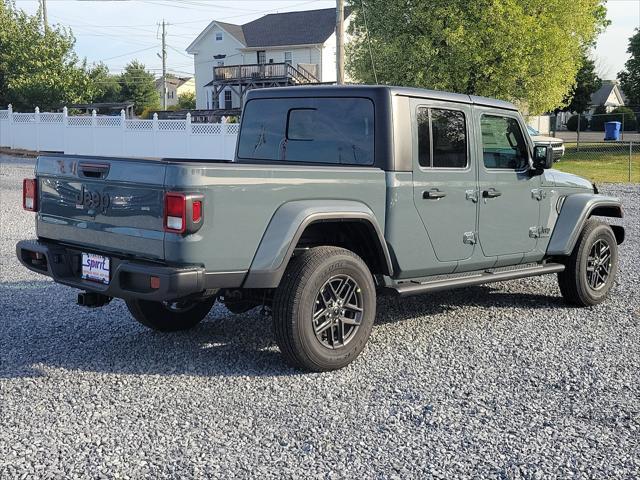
(324, 309)
(170, 316)
(591, 268)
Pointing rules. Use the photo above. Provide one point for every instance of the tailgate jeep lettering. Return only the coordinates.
(93, 199)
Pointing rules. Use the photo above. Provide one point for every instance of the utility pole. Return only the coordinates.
(164, 65)
(45, 22)
(340, 42)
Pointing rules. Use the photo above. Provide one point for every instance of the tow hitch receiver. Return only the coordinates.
(92, 299)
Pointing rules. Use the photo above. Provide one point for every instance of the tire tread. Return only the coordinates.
(570, 281)
(289, 294)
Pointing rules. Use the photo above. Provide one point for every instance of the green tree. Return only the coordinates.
(138, 85)
(38, 67)
(587, 82)
(187, 101)
(630, 76)
(527, 51)
(104, 86)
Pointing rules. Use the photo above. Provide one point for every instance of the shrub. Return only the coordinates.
(572, 123)
(187, 101)
(147, 113)
(599, 118)
(630, 120)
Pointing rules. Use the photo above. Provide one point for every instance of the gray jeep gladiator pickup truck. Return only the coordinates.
(336, 194)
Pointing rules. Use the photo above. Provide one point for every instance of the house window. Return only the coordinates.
(228, 102)
(262, 57)
(287, 58)
(218, 36)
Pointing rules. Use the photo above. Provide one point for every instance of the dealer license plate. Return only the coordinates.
(95, 268)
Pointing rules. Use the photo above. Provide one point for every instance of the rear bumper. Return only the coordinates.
(129, 278)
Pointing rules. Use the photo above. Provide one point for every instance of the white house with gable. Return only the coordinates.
(280, 49)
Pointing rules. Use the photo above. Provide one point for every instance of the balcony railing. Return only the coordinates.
(262, 72)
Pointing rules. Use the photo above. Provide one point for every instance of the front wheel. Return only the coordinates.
(324, 308)
(170, 316)
(591, 268)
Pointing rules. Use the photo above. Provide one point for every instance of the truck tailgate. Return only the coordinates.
(106, 204)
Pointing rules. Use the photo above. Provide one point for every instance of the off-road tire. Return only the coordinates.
(295, 302)
(574, 280)
(157, 316)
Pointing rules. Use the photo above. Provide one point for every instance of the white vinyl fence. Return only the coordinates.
(116, 136)
(541, 123)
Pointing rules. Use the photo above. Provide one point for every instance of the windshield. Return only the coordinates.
(308, 130)
(532, 131)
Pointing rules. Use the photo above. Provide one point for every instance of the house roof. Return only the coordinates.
(233, 30)
(600, 96)
(176, 81)
(279, 29)
(291, 28)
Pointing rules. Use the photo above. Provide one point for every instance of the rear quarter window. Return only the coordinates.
(308, 130)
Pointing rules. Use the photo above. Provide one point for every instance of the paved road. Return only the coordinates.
(572, 137)
(492, 382)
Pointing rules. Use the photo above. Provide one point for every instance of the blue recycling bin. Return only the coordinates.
(612, 130)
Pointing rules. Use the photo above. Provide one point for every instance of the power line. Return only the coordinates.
(179, 52)
(128, 53)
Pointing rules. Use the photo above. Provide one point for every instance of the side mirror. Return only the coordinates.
(542, 157)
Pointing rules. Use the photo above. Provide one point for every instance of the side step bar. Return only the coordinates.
(413, 288)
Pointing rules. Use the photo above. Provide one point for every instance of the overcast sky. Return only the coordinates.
(116, 31)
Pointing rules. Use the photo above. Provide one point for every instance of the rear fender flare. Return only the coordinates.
(576, 210)
(287, 226)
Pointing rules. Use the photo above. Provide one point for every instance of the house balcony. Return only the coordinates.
(278, 73)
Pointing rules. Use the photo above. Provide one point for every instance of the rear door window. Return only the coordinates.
(442, 138)
(308, 130)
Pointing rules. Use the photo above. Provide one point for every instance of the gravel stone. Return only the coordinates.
(501, 381)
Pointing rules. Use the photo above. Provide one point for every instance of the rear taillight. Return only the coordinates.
(175, 212)
(196, 211)
(183, 212)
(30, 194)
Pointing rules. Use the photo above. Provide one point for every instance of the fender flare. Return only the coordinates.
(576, 210)
(287, 226)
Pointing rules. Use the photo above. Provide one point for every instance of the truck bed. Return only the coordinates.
(115, 205)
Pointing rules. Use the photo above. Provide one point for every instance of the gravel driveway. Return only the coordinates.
(501, 381)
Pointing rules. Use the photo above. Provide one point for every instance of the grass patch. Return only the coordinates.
(598, 162)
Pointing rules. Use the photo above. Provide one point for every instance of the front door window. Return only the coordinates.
(503, 145)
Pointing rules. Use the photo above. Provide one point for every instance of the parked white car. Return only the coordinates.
(557, 144)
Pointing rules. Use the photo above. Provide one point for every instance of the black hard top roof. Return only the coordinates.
(376, 90)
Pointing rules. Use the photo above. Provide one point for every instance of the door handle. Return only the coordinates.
(433, 194)
(93, 170)
(491, 193)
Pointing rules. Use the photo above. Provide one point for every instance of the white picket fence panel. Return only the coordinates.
(116, 136)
